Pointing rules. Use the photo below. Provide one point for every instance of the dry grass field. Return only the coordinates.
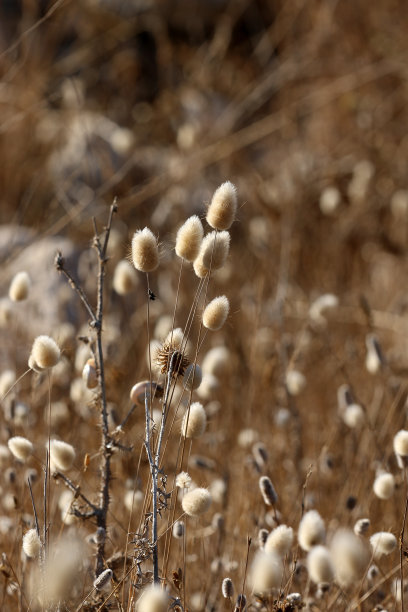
(279, 482)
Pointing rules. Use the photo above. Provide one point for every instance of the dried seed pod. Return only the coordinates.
(178, 530)
(223, 207)
(145, 251)
(268, 491)
(400, 444)
(266, 572)
(183, 480)
(213, 253)
(350, 557)
(361, 526)
(295, 382)
(227, 588)
(102, 582)
(374, 357)
(262, 537)
(354, 416)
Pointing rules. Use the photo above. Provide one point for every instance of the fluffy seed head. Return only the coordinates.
(354, 416)
(361, 526)
(31, 544)
(311, 530)
(19, 287)
(124, 278)
(222, 210)
(62, 455)
(178, 530)
(216, 313)
(20, 447)
(216, 361)
(374, 355)
(279, 541)
(295, 382)
(213, 253)
(266, 572)
(194, 421)
(193, 377)
(350, 557)
(189, 238)
(322, 303)
(227, 588)
(320, 565)
(401, 444)
(102, 582)
(153, 599)
(384, 486)
(45, 352)
(267, 489)
(145, 251)
(196, 502)
(183, 480)
(383, 543)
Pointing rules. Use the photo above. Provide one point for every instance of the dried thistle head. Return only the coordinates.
(169, 357)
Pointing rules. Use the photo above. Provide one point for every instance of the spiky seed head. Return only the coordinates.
(227, 588)
(102, 582)
(45, 352)
(196, 502)
(384, 486)
(267, 489)
(266, 572)
(193, 377)
(124, 278)
(62, 455)
(31, 544)
(320, 564)
(215, 313)
(169, 358)
(176, 338)
(311, 530)
(361, 526)
(145, 250)
(279, 541)
(383, 543)
(194, 421)
(19, 287)
(189, 238)
(153, 599)
(223, 207)
(20, 447)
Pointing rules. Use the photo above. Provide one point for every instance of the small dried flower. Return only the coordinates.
(168, 357)
(384, 486)
(320, 565)
(62, 455)
(153, 599)
(31, 544)
(145, 251)
(183, 480)
(19, 287)
(361, 526)
(102, 582)
(45, 352)
(383, 543)
(311, 530)
(193, 377)
(215, 313)
(268, 491)
(227, 588)
(194, 421)
(124, 278)
(189, 238)
(20, 447)
(196, 502)
(279, 541)
(222, 210)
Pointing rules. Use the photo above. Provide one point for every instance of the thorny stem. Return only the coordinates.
(101, 510)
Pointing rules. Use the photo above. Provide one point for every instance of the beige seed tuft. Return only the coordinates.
(45, 352)
(311, 530)
(266, 572)
(384, 486)
(268, 492)
(19, 287)
(279, 541)
(193, 377)
(62, 455)
(223, 207)
(145, 251)
(383, 543)
(216, 313)
(20, 447)
(320, 565)
(124, 278)
(196, 502)
(213, 253)
(153, 599)
(31, 544)
(189, 239)
(194, 421)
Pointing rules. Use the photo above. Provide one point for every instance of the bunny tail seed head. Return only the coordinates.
(266, 572)
(153, 599)
(267, 489)
(194, 421)
(196, 502)
(45, 352)
(400, 444)
(320, 565)
(31, 544)
(20, 447)
(279, 541)
(384, 486)
(124, 278)
(19, 287)
(189, 239)
(183, 480)
(145, 250)
(383, 543)
(213, 253)
(227, 588)
(350, 557)
(62, 455)
(178, 530)
(193, 377)
(223, 207)
(215, 313)
(311, 530)
(361, 526)
(102, 582)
